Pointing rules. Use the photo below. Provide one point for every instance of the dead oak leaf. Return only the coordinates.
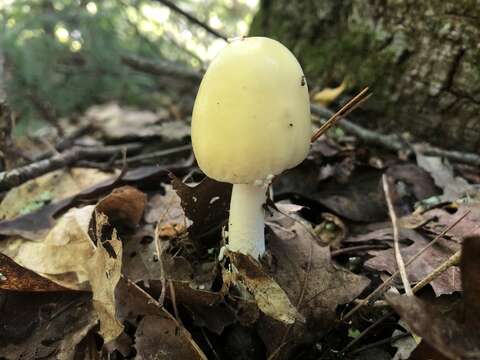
(446, 283)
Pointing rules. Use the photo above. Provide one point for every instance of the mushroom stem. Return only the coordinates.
(246, 222)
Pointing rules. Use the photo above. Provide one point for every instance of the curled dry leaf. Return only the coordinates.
(69, 257)
(451, 330)
(206, 205)
(124, 206)
(269, 296)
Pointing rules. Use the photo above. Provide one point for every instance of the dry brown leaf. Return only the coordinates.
(300, 265)
(206, 205)
(325, 96)
(269, 296)
(124, 207)
(104, 270)
(69, 257)
(446, 283)
(14, 277)
(132, 303)
(54, 186)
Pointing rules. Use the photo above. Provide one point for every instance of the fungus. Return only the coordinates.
(251, 121)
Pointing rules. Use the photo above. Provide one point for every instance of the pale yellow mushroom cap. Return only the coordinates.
(251, 117)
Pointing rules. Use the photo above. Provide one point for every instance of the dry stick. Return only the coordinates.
(396, 237)
(380, 342)
(174, 301)
(415, 257)
(192, 19)
(452, 260)
(344, 111)
(15, 177)
(159, 250)
(347, 250)
(157, 154)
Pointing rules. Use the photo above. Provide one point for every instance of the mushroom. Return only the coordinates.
(251, 121)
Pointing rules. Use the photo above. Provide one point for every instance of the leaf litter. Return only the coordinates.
(127, 266)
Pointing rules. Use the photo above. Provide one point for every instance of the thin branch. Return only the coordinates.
(348, 250)
(192, 19)
(361, 97)
(15, 177)
(396, 237)
(451, 261)
(162, 68)
(157, 154)
(462, 157)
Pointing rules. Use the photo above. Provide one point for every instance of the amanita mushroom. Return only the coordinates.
(251, 121)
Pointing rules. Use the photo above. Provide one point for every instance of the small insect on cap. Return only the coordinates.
(251, 117)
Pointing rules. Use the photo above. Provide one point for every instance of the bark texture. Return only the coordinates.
(422, 59)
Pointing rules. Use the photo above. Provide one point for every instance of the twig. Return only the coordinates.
(192, 19)
(463, 157)
(159, 250)
(396, 237)
(157, 154)
(361, 97)
(380, 342)
(351, 249)
(174, 301)
(209, 343)
(161, 68)
(452, 260)
(391, 142)
(15, 177)
(392, 277)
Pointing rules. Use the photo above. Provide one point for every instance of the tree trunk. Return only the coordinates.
(421, 58)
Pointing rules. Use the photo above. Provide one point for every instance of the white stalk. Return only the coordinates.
(247, 218)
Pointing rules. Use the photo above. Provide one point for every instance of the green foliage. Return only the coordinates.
(64, 55)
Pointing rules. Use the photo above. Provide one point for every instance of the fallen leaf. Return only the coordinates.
(450, 330)
(124, 207)
(160, 338)
(442, 173)
(14, 277)
(161, 335)
(165, 209)
(69, 257)
(206, 205)
(446, 283)
(326, 96)
(35, 225)
(43, 325)
(103, 271)
(51, 187)
(269, 296)
(122, 123)
(300, 265)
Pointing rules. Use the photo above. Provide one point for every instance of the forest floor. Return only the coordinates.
(110, 242)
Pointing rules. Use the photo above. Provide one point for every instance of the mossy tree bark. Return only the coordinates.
(422, 59)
